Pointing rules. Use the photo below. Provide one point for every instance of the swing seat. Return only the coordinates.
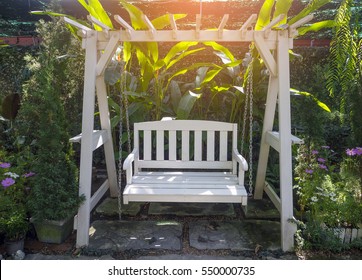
(185, 161)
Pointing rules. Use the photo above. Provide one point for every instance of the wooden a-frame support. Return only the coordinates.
(273, 46)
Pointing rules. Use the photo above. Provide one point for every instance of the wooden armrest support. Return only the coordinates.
(127, 164)
(240, 159)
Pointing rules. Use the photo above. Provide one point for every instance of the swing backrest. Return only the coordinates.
(185, 144)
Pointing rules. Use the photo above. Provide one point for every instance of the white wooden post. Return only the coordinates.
(271, 101)
(288, 229)
(86, 153)
(106, 125)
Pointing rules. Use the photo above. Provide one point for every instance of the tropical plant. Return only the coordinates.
(344, 75)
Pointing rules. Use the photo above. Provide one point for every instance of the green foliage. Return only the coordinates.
(42, 121)
(272, 9)
(313, 236)
(344, 80)
(325, 194)
(13, 219)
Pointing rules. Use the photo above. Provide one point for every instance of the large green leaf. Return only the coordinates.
(175, 94)
(186, 104)
(310, 8)
(282, 7)
(184, 54)
(264, 14)
(320, 103)
(220, 48)
(164, 20)
(177, 49)
(210, 75)
(192, 67)
(95, 9)
(135, 15)
(316, 26)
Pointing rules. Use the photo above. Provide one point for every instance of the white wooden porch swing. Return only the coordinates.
(273, 46)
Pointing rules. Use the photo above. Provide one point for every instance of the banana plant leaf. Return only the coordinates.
(316, 26)
(95, 9)
(186, 104)
(310, 8)
(282, 7)
(319, 103)
(264, 14)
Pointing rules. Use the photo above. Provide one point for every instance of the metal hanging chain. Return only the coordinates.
(120, 169)
(248, 110)
(244, 120)
(250, 90)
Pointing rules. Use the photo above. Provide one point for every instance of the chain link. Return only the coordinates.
(120, 154)
(248, 109)
(250, 90)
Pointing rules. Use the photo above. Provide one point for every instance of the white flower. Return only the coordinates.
(12, 175)
(314, 199)
(332, 194)
(333, 198)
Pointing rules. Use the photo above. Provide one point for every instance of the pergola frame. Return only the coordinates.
(273, 46)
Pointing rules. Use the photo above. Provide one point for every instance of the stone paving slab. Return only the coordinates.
(134, 235)
(192, 257)
(192, 209)
(65, 257)
(109, 208)
(261, 209)
(234, 235)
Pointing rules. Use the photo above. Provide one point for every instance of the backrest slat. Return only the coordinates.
(198, 145)
(160, 145)
(210, 146)
(223, 145)
(172, 145)
(147, 143)
(185, 150)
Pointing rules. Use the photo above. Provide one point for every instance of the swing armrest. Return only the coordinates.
(127, 164)
(243, 165)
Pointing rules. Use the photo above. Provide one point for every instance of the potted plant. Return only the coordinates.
(53, 199)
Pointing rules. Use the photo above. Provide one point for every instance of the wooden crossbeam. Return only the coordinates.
(275, 21)
(173, 26)
(107, 54)
(82, 29)
(151, 28)
(293, 28)
(198, 26)
(248, 24)
(129, 29)
(222, 25)
(104, 27)
(265, 53)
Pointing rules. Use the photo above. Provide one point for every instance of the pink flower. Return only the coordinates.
(350, 152)
(321, 160)
(7, 182)
(322, 166)
(309, 171)
(30, 174)
(315, 152)
(5, 165)
(358, 151)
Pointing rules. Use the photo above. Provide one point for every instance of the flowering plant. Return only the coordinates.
(351, 171)
(325, 193)
(13, 191)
